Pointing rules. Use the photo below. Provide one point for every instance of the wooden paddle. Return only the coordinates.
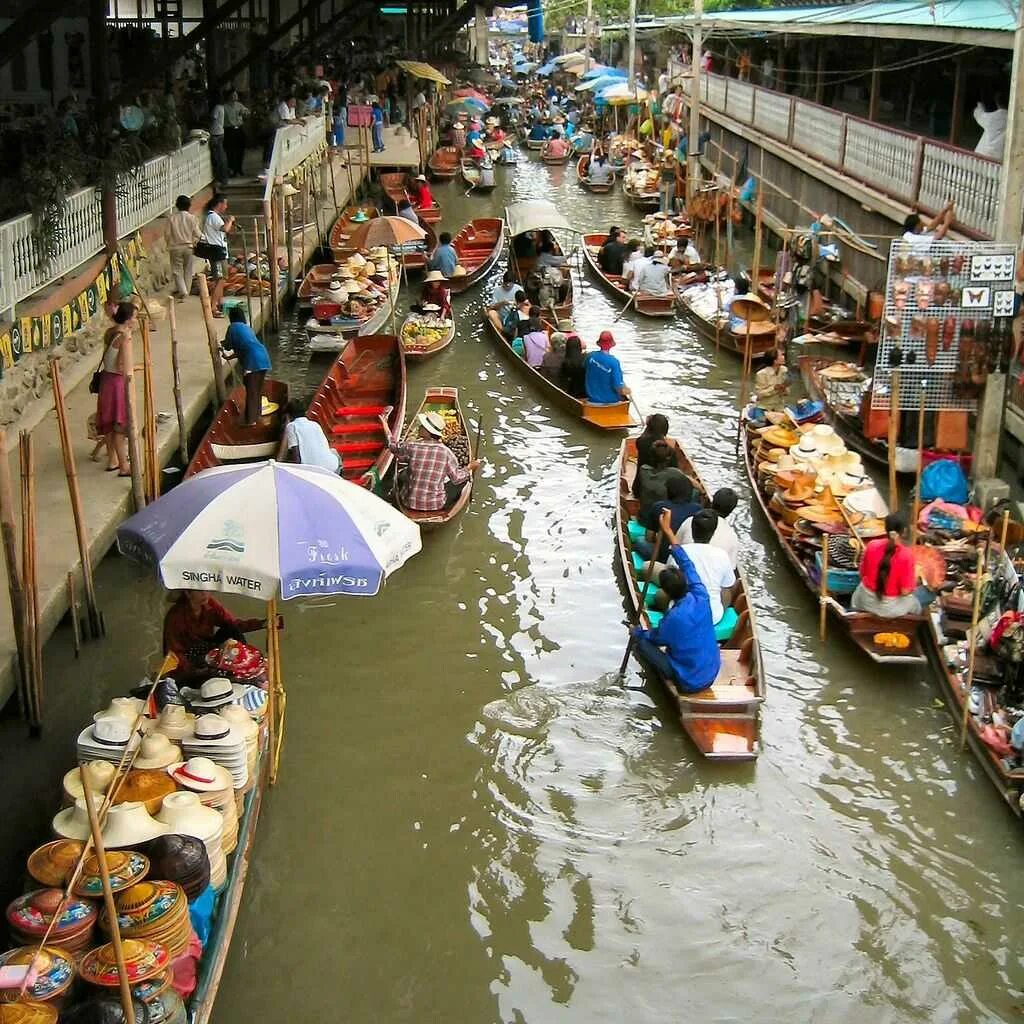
(664, 534)
(632, 299)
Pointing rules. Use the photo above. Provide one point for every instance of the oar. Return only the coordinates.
(632, 299)
(663, 533)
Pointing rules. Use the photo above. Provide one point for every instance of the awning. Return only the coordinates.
(534, 215)
(420, 70)
(548, 69)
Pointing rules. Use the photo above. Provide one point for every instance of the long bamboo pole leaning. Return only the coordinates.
(211, 339)
(973, 638)
(15, 581)
(920, 460)
(179, 407)
(823, 591)
(33, 647)
(248, 274)
(272, 238)
(149, 418)
(894, 424)
(76, 629)
(256, 231)
(94, 618)
(134, 455)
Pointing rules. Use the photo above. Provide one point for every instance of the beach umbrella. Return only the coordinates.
(387, 231)
(597, 84)
(472, 94)
(548, 69)
(269, 529)
(525, 69)
(597, 70)
(621, 94)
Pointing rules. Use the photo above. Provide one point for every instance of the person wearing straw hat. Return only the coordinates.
(437, 293)
(429, 474)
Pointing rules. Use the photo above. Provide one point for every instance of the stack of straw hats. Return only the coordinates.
(215, 789)
(215, 738)
(125, 868)
(29, 917)
(56, 973)
(142, 960)
(181, 859)
(156, 912)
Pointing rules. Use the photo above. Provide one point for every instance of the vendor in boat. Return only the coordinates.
(419, 193)
(557, 146)
(599, 171)
(486, 172)
(405, 210)
(195, 625)
(684, 255)
(682, 647)
(241, 343)
(612, 255)
(771, 382)
(430, 477)
(444, 258)
(305, 441)
(547, 257)
(475, 150)
(457, 135)
(741, 288)
(603, 378)
(436, 292)
(495, 132)
(889, 585)
(539, 132)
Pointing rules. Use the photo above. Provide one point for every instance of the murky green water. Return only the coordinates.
(472, 824)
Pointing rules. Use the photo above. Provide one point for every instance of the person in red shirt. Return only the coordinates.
(889, 584)
(420, 194)
(194, 625)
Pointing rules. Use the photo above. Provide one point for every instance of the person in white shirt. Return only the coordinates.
(921, 233)
(724, 537)
(653, 276)
(712, 563)
(182, 235)
(993, 130)
(235, 113)
(663, 84)
(285, 111)
(305, 441)
(635, 263)
(218, 154)
(215, 227)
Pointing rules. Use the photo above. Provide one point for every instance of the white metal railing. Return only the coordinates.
(293, 143)
(910, 168)
(139, 201)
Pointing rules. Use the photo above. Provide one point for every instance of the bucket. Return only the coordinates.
(876, 306)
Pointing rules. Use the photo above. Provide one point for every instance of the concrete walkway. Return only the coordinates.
(106, 498)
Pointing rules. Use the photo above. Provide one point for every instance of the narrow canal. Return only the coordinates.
(475, 823)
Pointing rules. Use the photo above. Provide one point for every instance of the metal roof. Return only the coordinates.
(977, 22)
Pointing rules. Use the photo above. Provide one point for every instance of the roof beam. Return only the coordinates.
(34, 21)
(454, 21)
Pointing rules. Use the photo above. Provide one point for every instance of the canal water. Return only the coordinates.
(474, 822)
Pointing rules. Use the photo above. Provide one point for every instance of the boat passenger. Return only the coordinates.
(684, 255)
(634, 255)
(551, 365)
(655, 429)
(681, 502)
(604, 382)
(535, 341)
(195, 625)
(573, 376)
(723, 503)
(444, 257)
(712, 563)
(420, 193)
(888, 576)
(771, 382)
(613, 253)
(599, 171)
(516, 322)
(241, 343)
(539, 132)
(682, 647)
(504, 294)
(524, 246)
(651, 483)
(547, 257)
(430, 477)
(741, 288)
(405, 210)
(653, 277)
(557, 146)
(305, 441)
(476, 151)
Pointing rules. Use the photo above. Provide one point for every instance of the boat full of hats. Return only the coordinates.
(176, 780)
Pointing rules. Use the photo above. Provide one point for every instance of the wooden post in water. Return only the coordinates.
(179, 409)
(920, 460)
(211, 338)
(74, 493)
(894, 423)
(15, 583)
(33, 645)
(248, 275)
(755, 270)
(256, 229)
(289, 235)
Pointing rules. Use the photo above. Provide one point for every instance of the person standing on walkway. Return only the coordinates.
(112, 395)
(378, 127)
(182, 235)
(215, 228)
(218, 153)
(235, 113)
(241, 343)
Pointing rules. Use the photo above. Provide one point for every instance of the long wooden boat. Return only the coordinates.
(549, 158)
(471, 177)
(394, 185)
(598, 188)
(365, 381)
(762, 335)
(417, 353)
(416, 259)
(228, 443)
(521, 266)
(850, 421)
(444, 162)
(536, 145)
(724, 720)
(801, 551)
(644, 303)
(605, 417)
(444, 401)
(332, 335)
(346, 224)
(641, 200)
(478, 245)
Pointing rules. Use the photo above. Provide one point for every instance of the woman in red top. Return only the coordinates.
(194, 625)
(888, 576)
(420, 194)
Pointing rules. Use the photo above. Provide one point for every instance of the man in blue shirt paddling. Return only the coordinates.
(682, 647)
(603, 374)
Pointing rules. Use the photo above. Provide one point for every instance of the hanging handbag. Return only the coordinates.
(94, 382)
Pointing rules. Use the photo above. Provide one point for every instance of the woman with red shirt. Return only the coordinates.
(420, 194)
(194, 625)
(889, 584)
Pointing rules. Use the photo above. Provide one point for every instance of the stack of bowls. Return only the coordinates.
(213, 784)
(52, 863)
(181, 859)
(185, 814)
(147, 786)
(56, 973)
(124, 868)
(142, 960)
(155, 912)
(29, 917)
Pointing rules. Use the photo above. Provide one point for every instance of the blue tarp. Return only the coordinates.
(535, 20)
(601, 71)
(548, 69)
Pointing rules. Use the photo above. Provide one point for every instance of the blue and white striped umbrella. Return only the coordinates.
(268, 529)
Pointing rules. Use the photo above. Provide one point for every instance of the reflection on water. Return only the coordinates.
(475, 822)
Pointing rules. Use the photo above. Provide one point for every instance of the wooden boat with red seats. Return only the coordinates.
(644, 304)
(445, 162)
(478, 245)
(445, 402)
(598, 188)
(415, 352)
(347, 223)
(724, 720)
(366, 380)
(227, 442)
(803, 551)
(717, 332)
(616, 416)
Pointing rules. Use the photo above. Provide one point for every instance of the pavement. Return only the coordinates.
(105, 497)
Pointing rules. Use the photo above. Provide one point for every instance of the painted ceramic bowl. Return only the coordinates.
(143, 960)
(56, 968)
(125, 867)
(52, 863)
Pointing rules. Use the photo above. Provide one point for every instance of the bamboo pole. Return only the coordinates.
(33, 689)
(95, 619)
(894, 422)
(273, 238)
(248, 275)
(211, 339)
(149, 417)
(15, 580)
(755, 270)
(108, 900)
(973, 635)
(76, 630)
(179, 408)
(334, 186)
(823, 598)
(289, 235)
(256, 229)
(920, 463)
(134, 455)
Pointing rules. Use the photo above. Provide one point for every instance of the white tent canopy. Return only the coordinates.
(534, 215)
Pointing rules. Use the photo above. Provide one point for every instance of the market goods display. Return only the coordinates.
(424, 332)
(454, 436)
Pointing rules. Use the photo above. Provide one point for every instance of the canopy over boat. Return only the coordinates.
(420, 70)
(535, 215)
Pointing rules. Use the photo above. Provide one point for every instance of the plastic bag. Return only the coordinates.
(944, 479)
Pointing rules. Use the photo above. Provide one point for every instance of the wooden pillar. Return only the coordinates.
(99, 73)
(876, 81)
(780, 63)
(819, 78)
(956, 119)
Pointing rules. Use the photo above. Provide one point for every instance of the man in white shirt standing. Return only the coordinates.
(305, 441)
(993, 129)
(218, 154)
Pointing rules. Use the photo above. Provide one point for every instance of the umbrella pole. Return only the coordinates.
(920, 461)
(278, 698)
(259, 270)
